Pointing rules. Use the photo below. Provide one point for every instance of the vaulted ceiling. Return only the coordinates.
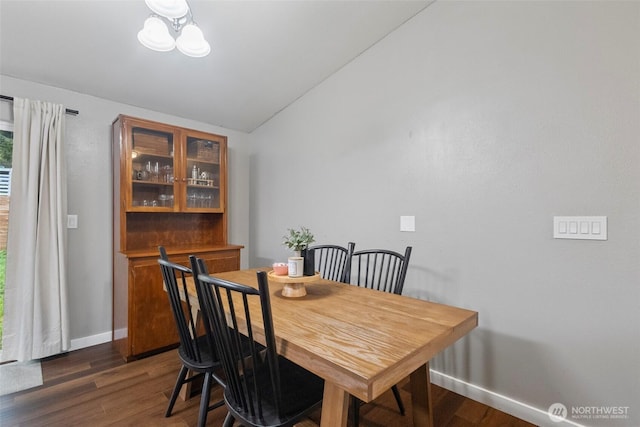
(265, 54)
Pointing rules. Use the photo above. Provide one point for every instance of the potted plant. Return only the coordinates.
(298, 241)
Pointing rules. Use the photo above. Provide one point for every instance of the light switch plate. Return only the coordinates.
(72, 221)
(580, 227)
(407, 223)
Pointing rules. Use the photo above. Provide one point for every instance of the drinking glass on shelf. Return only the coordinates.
(155, 172)
(167, 173)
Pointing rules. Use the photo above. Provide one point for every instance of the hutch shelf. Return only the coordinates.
(169, 189)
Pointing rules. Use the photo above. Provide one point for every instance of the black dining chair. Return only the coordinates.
(332, 261)
(267, 389)
(196, 352)
(381, 270)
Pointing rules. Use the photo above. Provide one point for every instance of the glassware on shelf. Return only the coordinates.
(186, 179)
(167, 174)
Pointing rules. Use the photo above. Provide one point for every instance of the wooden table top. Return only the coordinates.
(362, 340)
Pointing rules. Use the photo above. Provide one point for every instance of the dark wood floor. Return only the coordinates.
(94, 387)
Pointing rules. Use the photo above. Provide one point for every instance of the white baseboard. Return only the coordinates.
(84, 342)
(539, 417)
(120, 333)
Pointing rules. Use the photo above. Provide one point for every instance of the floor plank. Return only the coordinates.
(95, 387)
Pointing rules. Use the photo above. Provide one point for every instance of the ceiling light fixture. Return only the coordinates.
(156, 36)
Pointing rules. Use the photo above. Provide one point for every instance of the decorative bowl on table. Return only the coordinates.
(280, 268)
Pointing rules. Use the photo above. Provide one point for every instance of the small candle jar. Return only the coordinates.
(296, 266)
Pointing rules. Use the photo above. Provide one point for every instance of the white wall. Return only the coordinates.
(90, 197)
(484, 120)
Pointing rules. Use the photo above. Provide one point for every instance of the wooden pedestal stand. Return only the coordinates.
(293, 286)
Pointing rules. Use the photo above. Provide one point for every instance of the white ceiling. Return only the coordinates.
(265, 54)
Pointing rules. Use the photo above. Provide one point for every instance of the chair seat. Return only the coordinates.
(300, 390)
(208, 358)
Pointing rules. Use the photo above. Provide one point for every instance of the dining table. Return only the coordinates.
(360, 341)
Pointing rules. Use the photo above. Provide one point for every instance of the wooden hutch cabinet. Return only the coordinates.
(169, 189)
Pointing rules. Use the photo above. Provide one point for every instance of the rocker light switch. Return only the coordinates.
(580, 227)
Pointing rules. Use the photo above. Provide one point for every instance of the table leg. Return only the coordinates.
(335, 406)
(421, 397)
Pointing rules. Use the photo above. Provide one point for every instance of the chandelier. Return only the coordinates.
(155, 34)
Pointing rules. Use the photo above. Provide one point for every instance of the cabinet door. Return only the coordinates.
(151, 323)
(150, 168)
(165, 168)
(205, 169)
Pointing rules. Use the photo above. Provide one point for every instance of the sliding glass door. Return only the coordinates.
(6, 151)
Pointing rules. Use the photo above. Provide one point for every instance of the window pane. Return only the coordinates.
(6, 152)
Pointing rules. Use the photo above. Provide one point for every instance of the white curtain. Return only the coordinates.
(36, 321)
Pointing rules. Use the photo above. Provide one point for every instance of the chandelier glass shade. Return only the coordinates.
(156, 34)
(171, 9)
(191, 42)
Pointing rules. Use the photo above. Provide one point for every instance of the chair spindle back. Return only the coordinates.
(175, 280)
(254, 391)
(380, 269)
(332, 261)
